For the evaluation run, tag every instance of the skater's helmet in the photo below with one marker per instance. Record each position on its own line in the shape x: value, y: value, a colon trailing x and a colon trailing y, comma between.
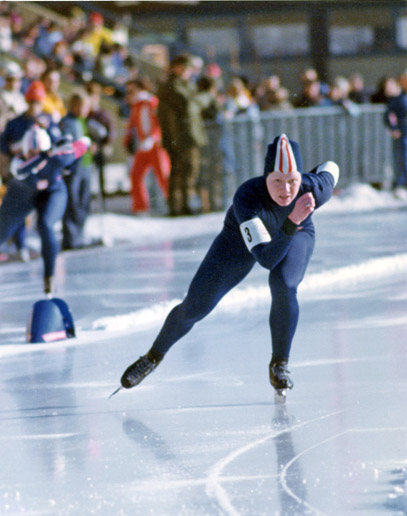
x: 35, y: 140
x: 283, y: 155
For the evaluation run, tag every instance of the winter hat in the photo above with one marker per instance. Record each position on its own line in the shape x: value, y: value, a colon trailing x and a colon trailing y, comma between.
x: 12, y: 70
x: 35, y: 92
x: 283, y: 155
x: 96, y: 18
x: 35, y: 139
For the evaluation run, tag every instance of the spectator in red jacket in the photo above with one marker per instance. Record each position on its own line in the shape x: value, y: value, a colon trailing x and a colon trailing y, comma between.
x: 143, y: 137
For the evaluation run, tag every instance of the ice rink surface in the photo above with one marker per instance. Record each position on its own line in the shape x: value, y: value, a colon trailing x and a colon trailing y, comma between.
x: 203, y: 435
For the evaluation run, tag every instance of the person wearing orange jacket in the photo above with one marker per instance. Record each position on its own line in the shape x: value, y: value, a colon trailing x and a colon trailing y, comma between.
x: 143, y: 137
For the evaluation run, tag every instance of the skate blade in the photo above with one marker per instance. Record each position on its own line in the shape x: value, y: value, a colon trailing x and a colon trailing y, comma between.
x: 280, y: 395
x: 115, y: 392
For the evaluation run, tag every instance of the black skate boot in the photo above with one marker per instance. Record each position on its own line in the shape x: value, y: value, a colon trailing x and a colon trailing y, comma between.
x: 142, y: 367
x: 279, y: 378
x: 48, y: 285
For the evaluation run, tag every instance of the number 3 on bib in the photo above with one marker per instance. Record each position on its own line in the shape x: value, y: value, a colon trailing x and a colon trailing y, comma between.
x: 254, y: 232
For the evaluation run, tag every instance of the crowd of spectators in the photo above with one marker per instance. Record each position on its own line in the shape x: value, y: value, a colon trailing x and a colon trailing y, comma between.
x: 83, y: 47
x: 80, y: 46
x: 84, y: 50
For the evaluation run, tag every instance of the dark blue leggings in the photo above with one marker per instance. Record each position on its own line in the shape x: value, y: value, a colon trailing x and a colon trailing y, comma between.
x: 20, y: 200
x: 225, y: 265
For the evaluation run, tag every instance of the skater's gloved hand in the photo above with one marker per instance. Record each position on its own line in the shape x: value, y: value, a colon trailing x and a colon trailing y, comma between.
x: 304, y: 206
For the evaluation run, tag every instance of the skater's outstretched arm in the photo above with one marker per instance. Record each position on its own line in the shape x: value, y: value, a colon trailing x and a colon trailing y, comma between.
x: 321, y: 181
x: 70, y: 151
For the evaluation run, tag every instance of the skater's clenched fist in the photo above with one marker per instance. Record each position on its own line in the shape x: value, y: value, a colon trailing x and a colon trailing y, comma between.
x: 304, y: 206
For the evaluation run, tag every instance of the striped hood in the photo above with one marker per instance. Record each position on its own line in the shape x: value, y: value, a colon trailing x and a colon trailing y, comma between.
x: 283, y: 155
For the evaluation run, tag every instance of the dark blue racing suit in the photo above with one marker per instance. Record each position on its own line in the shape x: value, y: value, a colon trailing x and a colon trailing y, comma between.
x: 39, y: 185
x: 282, y: 247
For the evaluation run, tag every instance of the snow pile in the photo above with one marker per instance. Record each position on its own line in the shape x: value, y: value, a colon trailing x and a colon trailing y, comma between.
x: 240, y: 297
x: 363, y: 197
x: 139, y: 319
x: 144, y: 230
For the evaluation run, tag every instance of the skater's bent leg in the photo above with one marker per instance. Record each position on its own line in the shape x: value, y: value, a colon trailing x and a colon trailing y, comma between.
x: 221, y: 270
x: 51, y: 209
x: 284, y: 280
x: 283, y: 316
x: 224, y: 266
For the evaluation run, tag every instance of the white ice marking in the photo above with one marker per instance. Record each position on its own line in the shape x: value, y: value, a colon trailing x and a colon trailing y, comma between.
x: 379, y: 429
x: 330, y: 361
x: 214, y: 487
x: 33, y: 437
x: 283, y: 474
x: 160, y: 485
x: 13, y: 330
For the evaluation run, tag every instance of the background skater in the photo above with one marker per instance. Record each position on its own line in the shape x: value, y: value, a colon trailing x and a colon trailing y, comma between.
x: 38, y: 185
x: 269, y: 222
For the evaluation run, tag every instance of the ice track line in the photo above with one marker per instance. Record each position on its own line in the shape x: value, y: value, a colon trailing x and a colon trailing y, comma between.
x: 214, y: 488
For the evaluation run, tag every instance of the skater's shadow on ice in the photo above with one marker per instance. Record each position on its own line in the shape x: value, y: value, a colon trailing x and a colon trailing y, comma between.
x: 291, y: 487
x: 147, y: 438
x: 289, y: 476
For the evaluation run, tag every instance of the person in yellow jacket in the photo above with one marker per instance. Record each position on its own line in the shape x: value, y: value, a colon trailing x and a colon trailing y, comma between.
x: 53, y: 103
x: 98, y: 33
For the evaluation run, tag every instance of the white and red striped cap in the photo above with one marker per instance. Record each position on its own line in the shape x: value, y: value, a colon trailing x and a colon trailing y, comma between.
x: 283, y: 155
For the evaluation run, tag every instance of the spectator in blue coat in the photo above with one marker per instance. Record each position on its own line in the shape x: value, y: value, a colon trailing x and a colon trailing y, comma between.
x: 78, y: 182
x: 396, y: 121
x: 48, y: 36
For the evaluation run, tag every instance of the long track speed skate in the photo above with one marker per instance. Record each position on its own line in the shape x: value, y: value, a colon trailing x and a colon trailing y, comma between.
x: 137, y: 371
x: 279, y: 379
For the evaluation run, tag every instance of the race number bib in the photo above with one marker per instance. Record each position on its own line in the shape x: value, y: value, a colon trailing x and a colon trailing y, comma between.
x: 254, y: 232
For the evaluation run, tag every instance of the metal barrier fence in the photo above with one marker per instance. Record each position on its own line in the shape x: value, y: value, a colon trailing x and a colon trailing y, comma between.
x: 358, y: 142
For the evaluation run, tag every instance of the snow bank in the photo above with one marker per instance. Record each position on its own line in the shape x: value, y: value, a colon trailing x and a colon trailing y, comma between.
x: 363, y: 197
x: 242, y: 297
x: 145, y: 229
